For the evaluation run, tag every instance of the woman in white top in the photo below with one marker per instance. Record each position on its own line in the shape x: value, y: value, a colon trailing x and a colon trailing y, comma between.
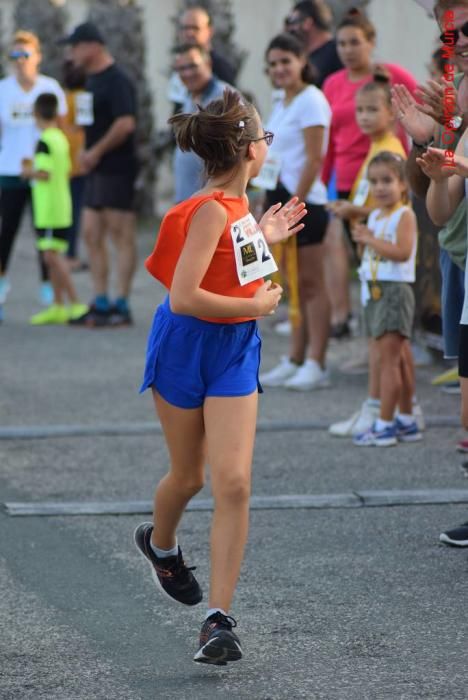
x: 300, y: 121
x: 19, y: 136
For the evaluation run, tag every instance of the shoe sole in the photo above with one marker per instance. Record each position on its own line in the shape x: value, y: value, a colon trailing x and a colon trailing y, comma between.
x: 219, y: 651
x: 391, y: 442
x: 410, y: 438
x: 155, y: 576
x: 446, y: 540
x: 309, y: 387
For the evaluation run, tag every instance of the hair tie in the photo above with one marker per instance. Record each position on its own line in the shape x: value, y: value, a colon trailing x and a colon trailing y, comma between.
x: 241, y: 124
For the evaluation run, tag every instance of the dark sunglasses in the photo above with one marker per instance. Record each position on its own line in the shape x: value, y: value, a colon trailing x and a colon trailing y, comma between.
x: 267, y: 137
x: 451, y: 37
x: 16, y: 55
x: 291, y: 21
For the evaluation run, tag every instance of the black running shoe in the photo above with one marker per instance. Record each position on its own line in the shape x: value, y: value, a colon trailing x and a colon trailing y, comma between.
x: 120, y: 318
x: 170, y: 574
x: 93, y: 318
x: 218, y: 643
x: 458, y: 537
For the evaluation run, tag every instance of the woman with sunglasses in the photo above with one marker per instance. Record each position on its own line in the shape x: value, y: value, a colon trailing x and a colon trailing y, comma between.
x: 19, y: 136
x: 204, y: 352
x: 300, y: 122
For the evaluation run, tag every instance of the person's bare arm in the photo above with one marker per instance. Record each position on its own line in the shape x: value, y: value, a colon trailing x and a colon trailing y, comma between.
x: 187, y: 297
x: 447, y: 182
x: 399, y: 251
x: 313, y: 142
x: 114, y: 137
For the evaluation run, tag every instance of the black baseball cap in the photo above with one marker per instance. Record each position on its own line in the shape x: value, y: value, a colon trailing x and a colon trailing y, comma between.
x: 86, y: 32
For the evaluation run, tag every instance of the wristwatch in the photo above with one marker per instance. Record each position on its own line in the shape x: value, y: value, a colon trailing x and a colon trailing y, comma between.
x: 455, y: 122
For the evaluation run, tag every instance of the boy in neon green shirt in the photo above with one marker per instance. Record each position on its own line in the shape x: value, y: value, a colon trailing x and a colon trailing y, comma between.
x: 52, y: 210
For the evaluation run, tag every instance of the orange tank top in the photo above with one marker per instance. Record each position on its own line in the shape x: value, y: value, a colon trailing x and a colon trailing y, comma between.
x: 221, y: 275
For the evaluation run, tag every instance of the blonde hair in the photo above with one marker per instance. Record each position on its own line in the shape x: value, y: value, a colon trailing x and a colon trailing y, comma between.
x: 22, y: 36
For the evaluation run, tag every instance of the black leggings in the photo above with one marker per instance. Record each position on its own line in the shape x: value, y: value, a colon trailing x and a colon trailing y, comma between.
x: 13, y: 202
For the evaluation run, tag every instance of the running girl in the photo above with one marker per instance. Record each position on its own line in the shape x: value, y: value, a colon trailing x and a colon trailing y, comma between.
x: 204, y: 354
x: 387, y: 270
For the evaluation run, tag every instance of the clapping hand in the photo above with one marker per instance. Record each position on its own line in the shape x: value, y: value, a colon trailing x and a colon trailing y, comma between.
x: 414, y: 118
x: 280, y: 222
x: 434, y: 164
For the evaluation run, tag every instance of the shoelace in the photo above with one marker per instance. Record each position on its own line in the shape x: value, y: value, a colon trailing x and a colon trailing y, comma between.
x: 225, y: 620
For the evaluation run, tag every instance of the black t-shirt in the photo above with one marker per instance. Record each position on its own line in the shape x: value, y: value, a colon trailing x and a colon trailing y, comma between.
x: 113, y: 96
x: 222, y: 68
x: 326, y: 61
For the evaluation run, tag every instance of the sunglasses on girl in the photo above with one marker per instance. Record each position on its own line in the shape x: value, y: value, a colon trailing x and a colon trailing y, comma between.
x: 267, y: 137
x: 452, y: 36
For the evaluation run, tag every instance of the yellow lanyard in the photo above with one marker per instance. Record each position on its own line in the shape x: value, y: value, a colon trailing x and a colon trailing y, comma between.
x: 374, y: 260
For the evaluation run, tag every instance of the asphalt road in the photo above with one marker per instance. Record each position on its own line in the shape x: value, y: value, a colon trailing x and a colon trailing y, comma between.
x: 333, y: 603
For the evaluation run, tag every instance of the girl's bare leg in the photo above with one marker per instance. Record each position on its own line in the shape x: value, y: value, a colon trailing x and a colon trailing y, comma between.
x: 314, y: 300
x: 408, y: 388
x: 374, y: 369
x: 337, y: 270
x: 464, y: 401
x: 390, y: 347
x: 230, y: 424
x: 185, y: 436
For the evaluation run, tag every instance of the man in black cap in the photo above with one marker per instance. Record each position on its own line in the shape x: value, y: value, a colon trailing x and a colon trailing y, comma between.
x: 107, y: 111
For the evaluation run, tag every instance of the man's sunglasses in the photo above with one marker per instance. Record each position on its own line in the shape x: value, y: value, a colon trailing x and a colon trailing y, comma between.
x: 267, y: 137
x: 16, y: 55
x: 451, y: 37
x: 291, y: 21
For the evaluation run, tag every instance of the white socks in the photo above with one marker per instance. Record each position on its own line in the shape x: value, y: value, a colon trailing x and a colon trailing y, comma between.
x: 212, y: 611
x: 162, y: 553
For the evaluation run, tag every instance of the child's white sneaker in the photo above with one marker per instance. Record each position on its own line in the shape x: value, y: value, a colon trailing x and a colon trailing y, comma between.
x: 359, y: 422
x: 279, y: 374
x: 308, y: 376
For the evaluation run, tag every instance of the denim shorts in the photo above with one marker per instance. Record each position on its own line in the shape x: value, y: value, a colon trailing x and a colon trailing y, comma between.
x: 453, y: 294
x: 188, y: 359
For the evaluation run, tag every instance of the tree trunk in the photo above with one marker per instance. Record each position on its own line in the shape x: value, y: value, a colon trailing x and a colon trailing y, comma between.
x: 122, y: 26
x: 47, y: 19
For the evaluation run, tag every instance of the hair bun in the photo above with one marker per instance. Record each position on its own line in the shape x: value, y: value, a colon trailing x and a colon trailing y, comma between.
x: 381, y: 75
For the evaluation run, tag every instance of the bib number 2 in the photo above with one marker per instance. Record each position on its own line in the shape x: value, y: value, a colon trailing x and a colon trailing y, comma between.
x: 253, y: 257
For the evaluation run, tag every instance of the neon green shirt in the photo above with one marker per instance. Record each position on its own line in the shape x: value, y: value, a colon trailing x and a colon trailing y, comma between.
x: 52, y: 205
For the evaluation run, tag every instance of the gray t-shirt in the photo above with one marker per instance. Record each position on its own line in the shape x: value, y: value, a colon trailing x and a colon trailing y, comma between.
x: 188, y: 167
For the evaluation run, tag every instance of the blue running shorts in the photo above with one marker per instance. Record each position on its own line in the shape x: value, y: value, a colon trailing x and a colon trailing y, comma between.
x: 188, y: 359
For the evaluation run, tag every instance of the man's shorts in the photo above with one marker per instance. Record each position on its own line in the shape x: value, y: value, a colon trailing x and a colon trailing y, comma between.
x: 392, y: 313
x: 103, y: 191
x: 188, y: 359
x: 52, y: 239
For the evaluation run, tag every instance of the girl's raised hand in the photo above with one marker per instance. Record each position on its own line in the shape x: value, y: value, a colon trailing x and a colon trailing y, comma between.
x: 280, y: 222
x: 268, y: 296
x: 434, y: 164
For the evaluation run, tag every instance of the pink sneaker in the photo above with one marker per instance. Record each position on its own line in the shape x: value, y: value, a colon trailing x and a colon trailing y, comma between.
x: 462, y: 446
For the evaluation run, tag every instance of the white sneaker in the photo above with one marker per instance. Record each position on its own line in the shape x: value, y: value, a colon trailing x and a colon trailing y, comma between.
x: 5, y: 287
x: 359, y: 422
x: 283, y: 328
x: 279, y: 374
x: 307, y: 377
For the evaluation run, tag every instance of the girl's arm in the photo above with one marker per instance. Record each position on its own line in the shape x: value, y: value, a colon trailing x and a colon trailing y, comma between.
x: 313, y: 143
x: 399, y: 251
x: 186, y: 296
x: 347, y: 210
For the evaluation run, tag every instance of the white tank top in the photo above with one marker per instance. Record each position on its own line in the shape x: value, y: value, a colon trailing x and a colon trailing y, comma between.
x: 385, y: 228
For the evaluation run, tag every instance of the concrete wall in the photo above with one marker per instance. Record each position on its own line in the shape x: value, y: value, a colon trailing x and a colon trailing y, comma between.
x: 405, y: 36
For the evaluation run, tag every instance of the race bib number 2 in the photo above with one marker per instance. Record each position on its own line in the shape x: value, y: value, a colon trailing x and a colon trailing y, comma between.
x: 253, y: 257
x: 84, y: 105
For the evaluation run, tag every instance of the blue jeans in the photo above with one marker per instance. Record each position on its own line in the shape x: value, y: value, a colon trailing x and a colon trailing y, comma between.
x: 453, y: 293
